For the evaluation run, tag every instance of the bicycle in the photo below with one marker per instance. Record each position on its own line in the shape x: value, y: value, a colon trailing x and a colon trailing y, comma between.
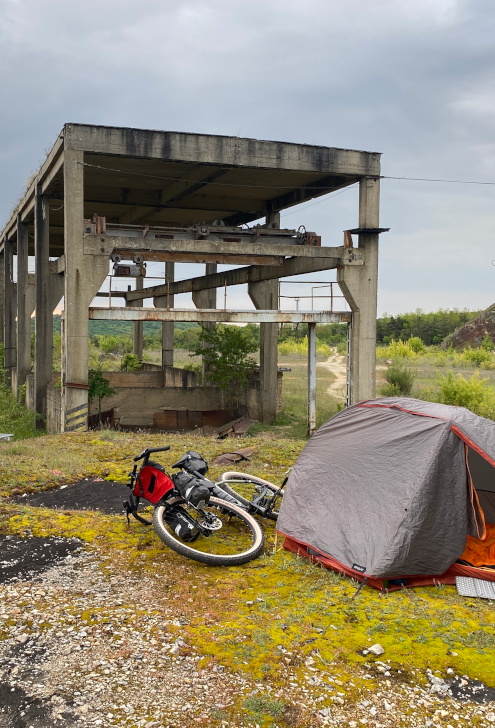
x: 188, y: 518
x: 258, y: 495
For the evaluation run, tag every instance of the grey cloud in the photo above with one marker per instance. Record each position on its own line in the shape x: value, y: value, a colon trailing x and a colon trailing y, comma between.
x: 411, y: 79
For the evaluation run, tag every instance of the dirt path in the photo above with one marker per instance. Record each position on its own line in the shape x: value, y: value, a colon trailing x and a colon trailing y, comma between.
x: 336, y: 363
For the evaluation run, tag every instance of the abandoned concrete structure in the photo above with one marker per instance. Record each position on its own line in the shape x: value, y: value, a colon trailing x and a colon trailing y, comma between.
x: 105, y: 195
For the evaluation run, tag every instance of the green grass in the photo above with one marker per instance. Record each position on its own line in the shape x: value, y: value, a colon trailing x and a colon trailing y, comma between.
x: 16, y: 419
x: 293, y: 418
x: 275, y: 620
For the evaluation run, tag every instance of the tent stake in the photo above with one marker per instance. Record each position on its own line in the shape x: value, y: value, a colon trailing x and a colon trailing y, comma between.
x: 360, y: 587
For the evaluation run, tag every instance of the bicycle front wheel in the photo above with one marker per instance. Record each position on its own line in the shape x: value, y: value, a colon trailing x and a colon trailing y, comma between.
x: 235, y: 536
x: 253, y: 491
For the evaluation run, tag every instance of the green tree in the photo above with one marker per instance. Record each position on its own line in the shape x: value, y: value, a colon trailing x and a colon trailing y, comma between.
x: 99, y: 387
x: 130, y: 363
x: 227, y: 349
x: 115, y: 344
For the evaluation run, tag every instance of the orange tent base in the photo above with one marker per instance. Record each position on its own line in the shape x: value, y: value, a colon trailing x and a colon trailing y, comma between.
x: 448, y: 577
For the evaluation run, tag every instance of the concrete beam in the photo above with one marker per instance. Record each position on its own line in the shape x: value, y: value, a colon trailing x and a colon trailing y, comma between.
x: 219, y: 150
x: 238, y: 276
x: 108, y: 244
x: 50, y: 167
x: 216, y: 316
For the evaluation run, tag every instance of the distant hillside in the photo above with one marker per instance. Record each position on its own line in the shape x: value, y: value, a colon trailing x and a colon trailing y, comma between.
x: 473, y: 332
x: 117, y: 328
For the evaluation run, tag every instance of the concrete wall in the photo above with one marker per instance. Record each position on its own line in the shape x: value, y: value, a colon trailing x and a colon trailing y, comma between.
x: 139, y: 395
x: 135, y: 405
x: 53, y: 409
x: 152, y: 376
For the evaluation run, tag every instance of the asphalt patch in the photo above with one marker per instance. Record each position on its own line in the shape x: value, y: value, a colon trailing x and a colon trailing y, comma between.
x: 462, y: 688
x: 20, y: 710
x: 24, y: 558
x: 90, y: 494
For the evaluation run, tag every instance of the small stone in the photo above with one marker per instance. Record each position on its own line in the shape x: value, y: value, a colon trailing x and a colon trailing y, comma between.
x: 376, y: 650
x: 490, y: 717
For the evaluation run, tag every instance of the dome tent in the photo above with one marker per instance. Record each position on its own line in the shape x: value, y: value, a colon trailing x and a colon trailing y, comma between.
x: 389, y: 489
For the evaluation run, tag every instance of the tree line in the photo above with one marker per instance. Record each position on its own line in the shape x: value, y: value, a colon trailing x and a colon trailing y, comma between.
x: 431, y: 328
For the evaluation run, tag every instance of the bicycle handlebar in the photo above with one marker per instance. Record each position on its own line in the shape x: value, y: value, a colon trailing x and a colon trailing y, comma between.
x: 150, y: 450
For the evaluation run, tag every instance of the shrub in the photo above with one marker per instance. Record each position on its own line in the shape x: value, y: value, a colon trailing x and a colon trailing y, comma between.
x: 400, y: 381
x: 293, y: 346
x: 397, y: 350
x: 487, y: 343
x: 473, y: 393
x: 130, y: 363
x: 476, y: 356
x: 416, y: 345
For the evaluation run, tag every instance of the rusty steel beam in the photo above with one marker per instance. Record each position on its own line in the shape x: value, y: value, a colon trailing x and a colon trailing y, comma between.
x: 216, y: 315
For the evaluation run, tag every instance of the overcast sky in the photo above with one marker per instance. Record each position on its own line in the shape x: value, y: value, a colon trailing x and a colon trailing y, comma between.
x: 412, y: 79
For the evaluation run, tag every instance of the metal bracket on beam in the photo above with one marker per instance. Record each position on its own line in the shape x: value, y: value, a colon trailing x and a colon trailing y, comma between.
x: 370, y: 231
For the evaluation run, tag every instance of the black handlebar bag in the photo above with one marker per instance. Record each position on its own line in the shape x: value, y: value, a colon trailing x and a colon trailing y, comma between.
x: 152, y: 482
x: 192, y: 460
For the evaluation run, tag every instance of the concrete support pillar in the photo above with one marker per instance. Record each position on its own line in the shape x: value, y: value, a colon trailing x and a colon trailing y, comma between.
x: 206, y: 299
x: 359, y: 285
x: 167, y: 326
x: 10, y: 353
x: 84, y: 275
x: 137, y: 347
x: 311, y: 379
x: 43, y: 349
x: 2, y: 296
x: 25, y: 302
x: 264, y: 295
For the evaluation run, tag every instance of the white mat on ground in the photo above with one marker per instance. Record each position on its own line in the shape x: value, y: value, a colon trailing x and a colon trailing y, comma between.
x: 470, y: 587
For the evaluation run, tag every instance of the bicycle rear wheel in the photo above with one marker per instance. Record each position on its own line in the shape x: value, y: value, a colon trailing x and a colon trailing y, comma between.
x: 235, y: 536
x: 253, y: 491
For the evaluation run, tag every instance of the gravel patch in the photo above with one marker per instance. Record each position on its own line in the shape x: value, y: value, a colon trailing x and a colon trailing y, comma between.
x: 84, y: 645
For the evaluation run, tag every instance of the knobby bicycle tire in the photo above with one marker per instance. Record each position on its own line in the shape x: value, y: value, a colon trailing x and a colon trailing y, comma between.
x: 244, y: 487
x: 239, y: 531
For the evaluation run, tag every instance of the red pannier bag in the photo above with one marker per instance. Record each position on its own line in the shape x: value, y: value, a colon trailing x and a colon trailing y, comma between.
x: 152, y: 482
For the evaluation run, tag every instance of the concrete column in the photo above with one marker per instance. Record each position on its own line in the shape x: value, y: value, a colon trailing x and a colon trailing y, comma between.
x: 137, y: 347
x: 206, y: 299
x: 359, y: 285
x: 264, y: 295
x: 168, y: 326
x: 84, y: 275
x: 2, y: 296
x: 43, y: 349
x: 311, y: 379
x: 24, y: 306
x: 10, y: 353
